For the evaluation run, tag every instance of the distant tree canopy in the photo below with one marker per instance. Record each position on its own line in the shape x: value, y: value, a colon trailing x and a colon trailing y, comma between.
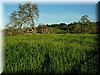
x: 85, y: 19
x: 25, y: 15
x: 84, y: 25
x: 30, y: 13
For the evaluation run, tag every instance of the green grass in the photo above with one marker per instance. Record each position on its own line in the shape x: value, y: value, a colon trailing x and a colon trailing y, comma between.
x: 51, y: 53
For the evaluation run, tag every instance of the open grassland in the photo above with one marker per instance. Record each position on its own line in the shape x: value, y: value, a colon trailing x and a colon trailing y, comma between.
x: 51, y: 53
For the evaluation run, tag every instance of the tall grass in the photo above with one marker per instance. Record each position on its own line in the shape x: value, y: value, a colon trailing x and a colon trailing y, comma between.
x: 51, y: 53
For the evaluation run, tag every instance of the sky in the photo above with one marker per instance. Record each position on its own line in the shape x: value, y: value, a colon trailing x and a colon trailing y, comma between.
x: 57, y: 13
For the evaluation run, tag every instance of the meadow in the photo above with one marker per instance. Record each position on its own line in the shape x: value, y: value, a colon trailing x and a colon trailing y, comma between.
x: 59, y: 53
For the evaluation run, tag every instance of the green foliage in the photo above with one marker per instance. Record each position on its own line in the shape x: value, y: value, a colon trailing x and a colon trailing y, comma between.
x: 11, y: 31
x: 42, y: 29
x: 75, y: 27
x: 51, y: 53
x: 82, y: 26
x: 26, y: 14
x: 85, y: 19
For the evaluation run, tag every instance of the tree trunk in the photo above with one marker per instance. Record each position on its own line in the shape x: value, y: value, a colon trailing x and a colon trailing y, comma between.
x: 33, y: 26
x: 81, y: 29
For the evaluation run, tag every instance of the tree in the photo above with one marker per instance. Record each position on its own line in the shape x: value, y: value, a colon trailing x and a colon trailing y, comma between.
x: 25, y: 15
x: 42, y: 28
x: 85, y: 19
x: 76, y: 28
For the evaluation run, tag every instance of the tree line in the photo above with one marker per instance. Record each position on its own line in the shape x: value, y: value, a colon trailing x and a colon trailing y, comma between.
x: 22, y: 22
x: 63, y: 28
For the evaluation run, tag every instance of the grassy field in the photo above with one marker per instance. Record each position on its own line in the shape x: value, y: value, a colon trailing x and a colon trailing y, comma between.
x: 58, y: 53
